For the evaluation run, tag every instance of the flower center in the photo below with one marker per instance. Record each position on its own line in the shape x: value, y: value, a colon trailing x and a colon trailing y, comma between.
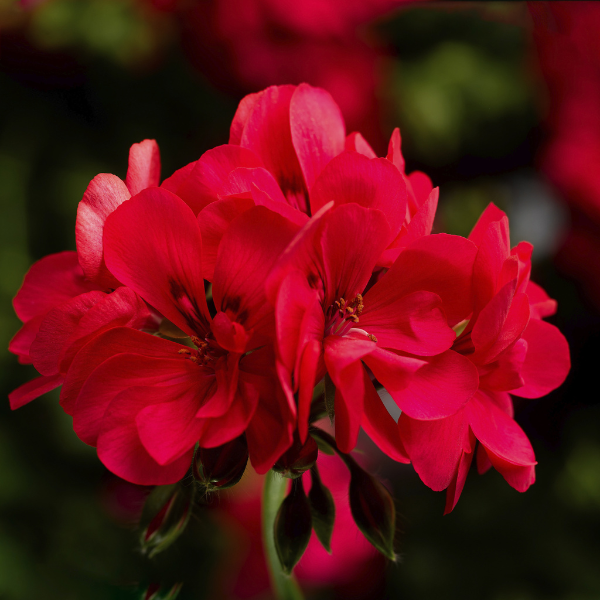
x: 206, y: 353
x: 342, y: 316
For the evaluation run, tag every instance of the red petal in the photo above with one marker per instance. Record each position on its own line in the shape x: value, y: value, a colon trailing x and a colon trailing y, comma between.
x: 242, y: 114
x: 541, y: 304
x: 144, y: 166
x: 355, y: 142
x: 220, y: 430
x: 491, y: 255
x: 491, y: 214
x: 211, y: 174
x: 394, y: 154
x: 268, y: 134
x: 153, y: 245
x: 458, y: 482
x: 380, y: 426
x: 120, y: 448
x: 117, y: 374
x: 318, y: 131
x: 231, y: 336
x: 122, y: 308
x: 431, y: 388
x: 22, y: 340
x: 483, y: 462
x: 498, y: 432
x: 420, y: 187
x: 249, y: 248
x: 518, y: 477
x: 219, y: 403
x: 547, y: 361
x: 49, y: 282
x: 285, y: 210
x: 352, y: 239
x: 299, y: 318
x: 241, y: 180
x: 372, y: 183
x: 343, y: 359
x: 415, y: 323
x: 56, y: 329
x: 102, y: 196
x: 271, y: 431
x: 505, y: 373
x: 308, y: 374
x: 168, y: 427
x: 33, y: 389
x: 114, y: 341
x: 442, y: 264
x: 499, y: 324
x: 434, y: 447
x: 214, y: 221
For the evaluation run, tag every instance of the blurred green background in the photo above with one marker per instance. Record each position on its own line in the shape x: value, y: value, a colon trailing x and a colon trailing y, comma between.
x: 80, y: 81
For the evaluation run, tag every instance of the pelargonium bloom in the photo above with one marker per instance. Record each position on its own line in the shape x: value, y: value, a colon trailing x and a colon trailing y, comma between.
x: 144, y: 401
x: 329, y: 322
x: 514, y: 351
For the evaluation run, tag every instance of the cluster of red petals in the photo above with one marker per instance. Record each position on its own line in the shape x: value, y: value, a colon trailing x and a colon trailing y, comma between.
x: 317, y: 260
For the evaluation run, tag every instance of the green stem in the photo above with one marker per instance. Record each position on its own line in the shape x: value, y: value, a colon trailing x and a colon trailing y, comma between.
x: 284, y: 586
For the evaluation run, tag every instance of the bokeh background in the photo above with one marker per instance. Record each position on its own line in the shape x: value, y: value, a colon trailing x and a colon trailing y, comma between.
x: 496, y: 101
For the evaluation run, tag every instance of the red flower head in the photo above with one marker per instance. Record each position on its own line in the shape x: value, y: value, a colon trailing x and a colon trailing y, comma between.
x: 513, y: 350
x: 145, y: 401
x: 329, y: 321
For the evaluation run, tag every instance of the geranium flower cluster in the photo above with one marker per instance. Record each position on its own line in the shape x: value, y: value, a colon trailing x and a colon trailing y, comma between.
x: 212, y: 307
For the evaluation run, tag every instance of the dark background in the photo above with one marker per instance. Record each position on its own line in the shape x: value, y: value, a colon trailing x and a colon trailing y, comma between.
x: 462, y: 84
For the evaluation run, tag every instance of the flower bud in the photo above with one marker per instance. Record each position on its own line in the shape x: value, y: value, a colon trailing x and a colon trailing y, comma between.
x: 322, y: 509
x: 158, y: 592
x: 293, y: 526
x: 298, y: 458
x: 373, y: 510
x: 167, y: 512
x: 221, y: 467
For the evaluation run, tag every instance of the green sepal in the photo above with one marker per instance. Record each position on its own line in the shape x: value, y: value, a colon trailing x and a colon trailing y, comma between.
x: 329, y: 397
x: 322, y: 509
x: 373, y: 510
x: 166, y: 513
x: 293, y: 527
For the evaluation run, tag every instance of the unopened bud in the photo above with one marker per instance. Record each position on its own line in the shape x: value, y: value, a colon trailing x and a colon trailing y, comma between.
x: 298, y: 459
x: 221, y: 467
x: 158, y: 592
x: 293, y: 526
x: 322, y: 509
x: 373, y: 510
x: 167, y: 512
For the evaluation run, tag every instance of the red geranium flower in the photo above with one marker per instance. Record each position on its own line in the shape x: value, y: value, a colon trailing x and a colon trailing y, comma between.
x: 145, y: 401
x: 513, y: 350
x: 398, y: 328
